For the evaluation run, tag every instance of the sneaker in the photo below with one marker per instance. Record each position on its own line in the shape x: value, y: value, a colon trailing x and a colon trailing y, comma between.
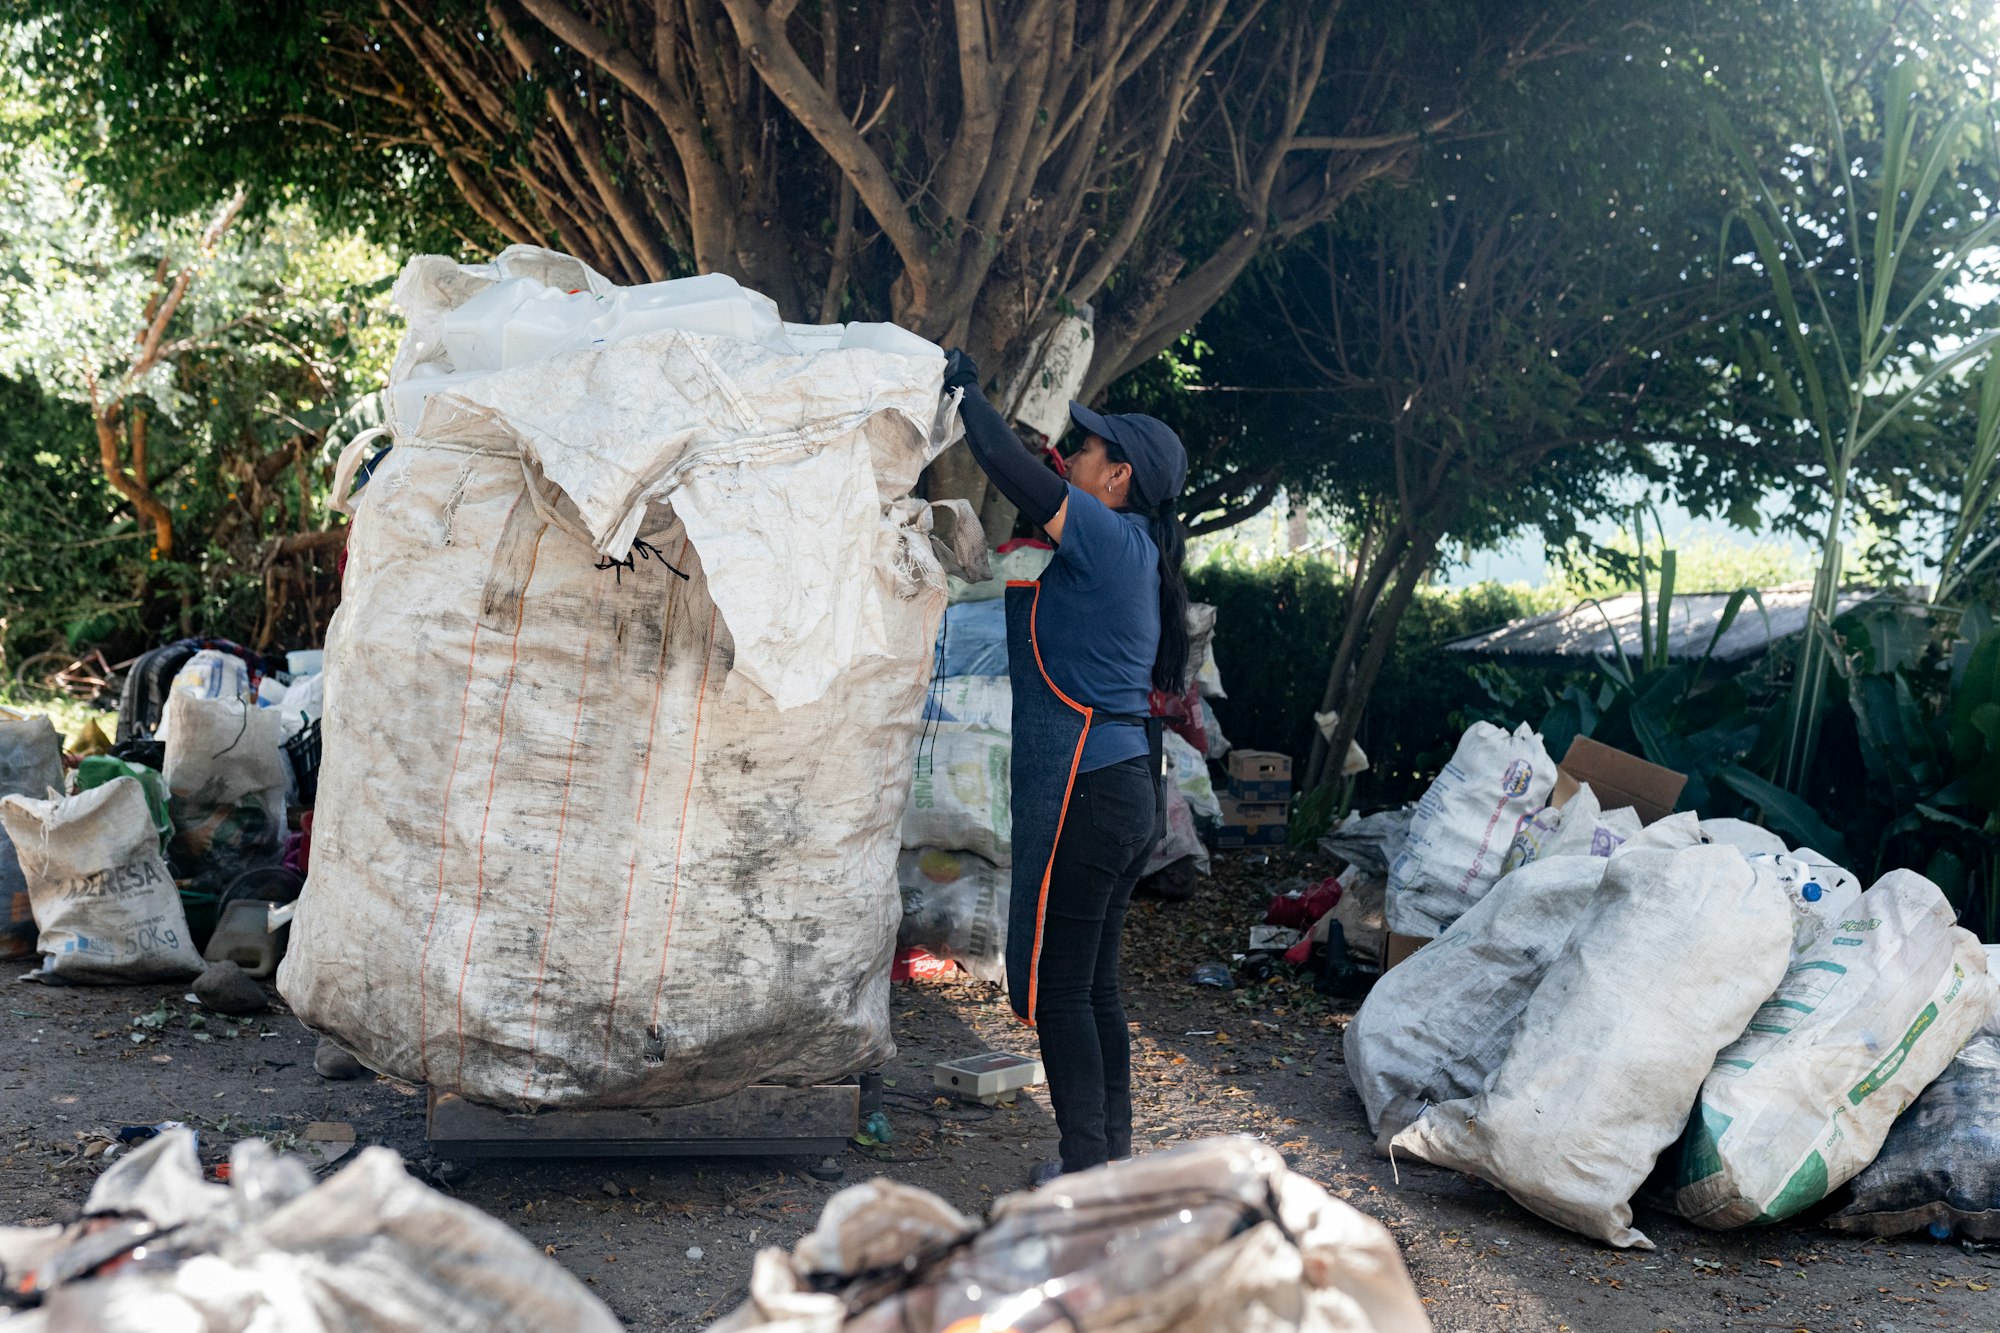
x: 1042, y: 1173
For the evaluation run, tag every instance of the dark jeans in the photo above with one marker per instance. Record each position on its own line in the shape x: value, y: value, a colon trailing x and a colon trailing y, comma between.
x: 1107, y: 835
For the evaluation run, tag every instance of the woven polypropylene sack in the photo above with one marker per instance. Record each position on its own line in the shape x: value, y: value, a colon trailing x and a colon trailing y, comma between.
x: 960, y: 796
x: 623, y: 836
x: 1437, y: 1024
x: 1464, y: 826
x: 1940, y: 1166
x: 1862, y: 1023
x: 106, y: 908
x: 1674, y: 954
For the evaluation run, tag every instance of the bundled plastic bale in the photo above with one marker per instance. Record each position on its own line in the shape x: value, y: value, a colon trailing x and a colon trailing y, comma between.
x: 30, y: 765
x: 1675, y: 952
x: 975, y: 701
x: 226, y: 776
x: 614, y: 836
x: 962, y: 795
x: 105, y: 906
x: 1217, y: 1236
x: 1802, y: 1101
x: 370, y: 1247
x: 955, y: 907
x: 1465, y: 824
x: 1939, y: 1169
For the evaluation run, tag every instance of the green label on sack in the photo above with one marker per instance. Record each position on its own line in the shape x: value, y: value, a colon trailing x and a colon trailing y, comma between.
x: 1807, y: 1187
x: 1701, y: 1154
x: 1893, y: 1061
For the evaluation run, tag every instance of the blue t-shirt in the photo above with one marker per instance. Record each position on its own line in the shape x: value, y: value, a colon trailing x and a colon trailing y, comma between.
x: 1099, y: 622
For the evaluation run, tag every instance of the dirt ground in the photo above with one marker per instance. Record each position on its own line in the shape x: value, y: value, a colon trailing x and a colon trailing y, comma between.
x: 668, y: 1243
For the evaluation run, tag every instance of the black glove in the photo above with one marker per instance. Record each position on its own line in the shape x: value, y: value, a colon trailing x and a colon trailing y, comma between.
x: 960, y: 370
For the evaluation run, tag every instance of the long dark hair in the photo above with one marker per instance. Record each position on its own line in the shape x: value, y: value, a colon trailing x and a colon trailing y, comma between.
x: 1170, y: 665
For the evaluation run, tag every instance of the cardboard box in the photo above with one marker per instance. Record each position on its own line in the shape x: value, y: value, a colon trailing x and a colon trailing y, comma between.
x: 1400, y: 947
x: 1253, y: 823
x: 1244, y: 789
x: 1237, y: 811
x: 1260, y: 766
x: 1619, y: 779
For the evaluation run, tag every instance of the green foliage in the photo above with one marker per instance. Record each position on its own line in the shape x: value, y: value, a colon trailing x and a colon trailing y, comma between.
x: 1896, y: 230
x: 1274, y: 625
x: 278, y: 322
x: 68, y: 557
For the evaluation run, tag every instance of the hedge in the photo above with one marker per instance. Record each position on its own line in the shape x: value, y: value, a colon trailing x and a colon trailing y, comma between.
x: 1277, y: 625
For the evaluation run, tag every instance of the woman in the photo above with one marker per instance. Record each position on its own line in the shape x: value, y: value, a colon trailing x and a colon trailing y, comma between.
x: 1104, y: 626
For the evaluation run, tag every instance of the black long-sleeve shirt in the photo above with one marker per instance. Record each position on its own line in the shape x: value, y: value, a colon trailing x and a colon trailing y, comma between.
x: 1022, y: 477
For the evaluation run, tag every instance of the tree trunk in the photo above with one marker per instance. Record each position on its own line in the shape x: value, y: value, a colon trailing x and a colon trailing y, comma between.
x: 1366, y: 594
x: 142, y: 498
x: 1416, y: 562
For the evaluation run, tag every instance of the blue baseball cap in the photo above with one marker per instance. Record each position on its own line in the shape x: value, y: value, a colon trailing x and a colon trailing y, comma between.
x: 1159, y: 460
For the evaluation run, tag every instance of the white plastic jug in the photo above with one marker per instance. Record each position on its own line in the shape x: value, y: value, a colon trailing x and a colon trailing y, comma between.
x: 713, y: 303
x: 810, y: 338
x: 516, y: 321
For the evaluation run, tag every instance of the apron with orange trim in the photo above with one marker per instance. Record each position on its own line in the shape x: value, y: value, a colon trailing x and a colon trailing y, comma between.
x: 1049, y: 729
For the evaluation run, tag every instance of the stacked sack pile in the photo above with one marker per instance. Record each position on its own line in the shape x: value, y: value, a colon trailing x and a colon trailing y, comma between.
x: 1602, y: 998
x: 113, y: 876
x: 957, y: 831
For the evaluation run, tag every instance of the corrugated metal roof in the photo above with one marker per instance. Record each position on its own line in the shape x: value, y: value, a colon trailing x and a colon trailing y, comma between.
x: 1587, y: 629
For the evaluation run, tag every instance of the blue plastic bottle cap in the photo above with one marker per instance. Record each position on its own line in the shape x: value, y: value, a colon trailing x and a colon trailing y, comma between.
x: 1940, y: 1230
x: 1812, y: 892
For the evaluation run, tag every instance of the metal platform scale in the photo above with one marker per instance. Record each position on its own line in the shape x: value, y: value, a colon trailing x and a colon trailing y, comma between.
x: 762, y: 1120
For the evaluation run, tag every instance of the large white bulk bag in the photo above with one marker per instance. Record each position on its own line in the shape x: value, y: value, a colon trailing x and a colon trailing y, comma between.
x: 1675, y: 953
x: 1464, y: 826
x: 624, y: 835
x: 1863, y: 1022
